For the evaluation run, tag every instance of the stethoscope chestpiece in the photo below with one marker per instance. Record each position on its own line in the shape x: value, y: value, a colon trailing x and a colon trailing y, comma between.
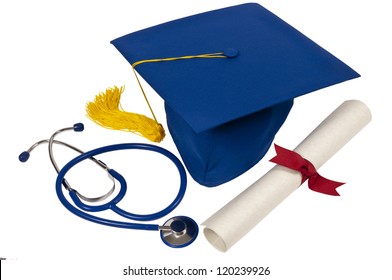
x: 179, y: 231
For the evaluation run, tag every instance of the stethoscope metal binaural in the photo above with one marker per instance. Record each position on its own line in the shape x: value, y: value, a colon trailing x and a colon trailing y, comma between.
x: 177, y: 232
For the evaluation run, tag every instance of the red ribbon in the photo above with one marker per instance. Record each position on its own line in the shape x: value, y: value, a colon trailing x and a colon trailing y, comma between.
x: 295, y: 161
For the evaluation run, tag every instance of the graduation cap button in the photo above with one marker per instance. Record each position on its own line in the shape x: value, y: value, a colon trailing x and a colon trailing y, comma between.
x: 231, y: 52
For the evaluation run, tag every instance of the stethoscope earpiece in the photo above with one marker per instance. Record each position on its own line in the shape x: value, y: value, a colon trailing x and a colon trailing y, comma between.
x: 78, y: 127
x: 24, y: 156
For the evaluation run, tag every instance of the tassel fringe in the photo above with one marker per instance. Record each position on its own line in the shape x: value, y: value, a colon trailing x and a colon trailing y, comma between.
x: 107, y: 112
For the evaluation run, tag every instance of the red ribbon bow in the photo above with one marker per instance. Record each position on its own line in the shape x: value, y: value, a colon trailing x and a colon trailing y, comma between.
x: 295, y: 161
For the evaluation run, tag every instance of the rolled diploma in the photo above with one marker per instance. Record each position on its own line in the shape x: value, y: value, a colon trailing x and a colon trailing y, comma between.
x: 239, y: 216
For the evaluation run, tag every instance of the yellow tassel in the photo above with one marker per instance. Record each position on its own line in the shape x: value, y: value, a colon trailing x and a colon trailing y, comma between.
x: 106, y: 111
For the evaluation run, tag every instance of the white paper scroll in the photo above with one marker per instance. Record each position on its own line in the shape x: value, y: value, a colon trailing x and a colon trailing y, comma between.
x: 239, y: 216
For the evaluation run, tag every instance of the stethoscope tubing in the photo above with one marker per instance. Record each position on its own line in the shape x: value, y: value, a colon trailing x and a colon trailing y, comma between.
x: 112, y: 205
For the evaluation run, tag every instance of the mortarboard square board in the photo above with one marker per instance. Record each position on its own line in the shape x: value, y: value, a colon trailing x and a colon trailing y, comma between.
x: 224, y: 113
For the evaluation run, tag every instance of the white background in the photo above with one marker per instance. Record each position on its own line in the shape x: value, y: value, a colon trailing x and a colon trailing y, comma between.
x: 55, y: 56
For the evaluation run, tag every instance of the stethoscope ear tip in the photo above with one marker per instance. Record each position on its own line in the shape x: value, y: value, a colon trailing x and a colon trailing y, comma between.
x: 78, y: 127
x: 24, y: 156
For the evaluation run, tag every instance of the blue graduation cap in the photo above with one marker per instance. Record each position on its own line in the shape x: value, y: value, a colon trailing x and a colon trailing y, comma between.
x: 223, y: 112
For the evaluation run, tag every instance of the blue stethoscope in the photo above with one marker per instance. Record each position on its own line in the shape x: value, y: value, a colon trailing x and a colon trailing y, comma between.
x: 177, y: 232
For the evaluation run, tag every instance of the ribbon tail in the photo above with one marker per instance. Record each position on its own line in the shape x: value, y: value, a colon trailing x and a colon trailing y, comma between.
x: 323, y: 185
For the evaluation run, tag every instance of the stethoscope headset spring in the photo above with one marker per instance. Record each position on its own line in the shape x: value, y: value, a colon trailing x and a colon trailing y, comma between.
x: 176, y: 232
